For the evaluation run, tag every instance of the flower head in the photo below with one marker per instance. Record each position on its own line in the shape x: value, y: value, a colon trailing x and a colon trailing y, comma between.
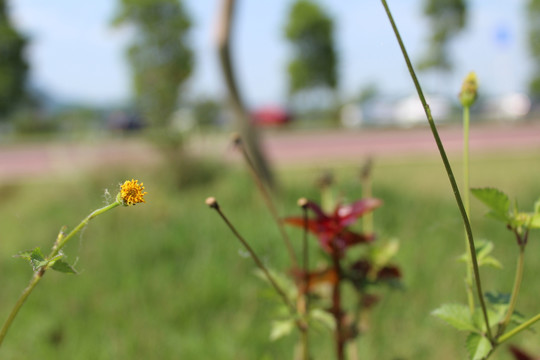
x: 131, y: 192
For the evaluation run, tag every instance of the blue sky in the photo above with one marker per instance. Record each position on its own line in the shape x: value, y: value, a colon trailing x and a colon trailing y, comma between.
x: 76, y: 55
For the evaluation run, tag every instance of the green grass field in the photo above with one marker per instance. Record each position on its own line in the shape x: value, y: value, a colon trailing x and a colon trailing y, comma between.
x: 166, y: 280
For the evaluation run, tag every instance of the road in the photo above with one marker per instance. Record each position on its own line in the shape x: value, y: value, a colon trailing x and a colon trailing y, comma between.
x: 284, y: 148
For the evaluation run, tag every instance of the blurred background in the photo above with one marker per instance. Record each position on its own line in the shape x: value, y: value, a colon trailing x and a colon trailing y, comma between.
x: 93, y: 93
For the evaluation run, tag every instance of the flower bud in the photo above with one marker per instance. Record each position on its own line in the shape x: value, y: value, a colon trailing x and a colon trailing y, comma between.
x: 469, y: 90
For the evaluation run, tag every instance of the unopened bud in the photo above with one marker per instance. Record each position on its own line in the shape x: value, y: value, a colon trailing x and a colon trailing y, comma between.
x: 212, y: 202
x: 302, y: 202
x: 469, y: 90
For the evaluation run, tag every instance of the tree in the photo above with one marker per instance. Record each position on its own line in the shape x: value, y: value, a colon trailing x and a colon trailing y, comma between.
x: 447, y: 18
x: 13, y: 66
x: 160, y: 57
x: 310, y: 31
x: 533, y: 15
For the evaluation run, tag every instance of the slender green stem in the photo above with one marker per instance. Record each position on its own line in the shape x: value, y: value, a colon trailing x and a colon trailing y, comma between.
x: 38, y: 275
x: 305, y: 265
x: 515, y: 290
x: 448, y: 168
x: 466, y: 204
x: 256, y: 258
x: 63, y: 240
x: 527, y: 324
x: 33, y: 282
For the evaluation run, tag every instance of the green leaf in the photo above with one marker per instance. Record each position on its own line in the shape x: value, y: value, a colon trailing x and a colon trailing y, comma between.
x: 483, y: 249
x: 323, y: 317
x: 456, y: 315
x: 35, y: 257
x: 535, y: 221
x: 281, y: 328
x: 496, y: 200
x: 477, y: 346
x: 62, y: 266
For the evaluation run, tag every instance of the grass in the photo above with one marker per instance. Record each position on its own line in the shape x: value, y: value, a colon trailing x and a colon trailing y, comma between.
x: 166, y: 280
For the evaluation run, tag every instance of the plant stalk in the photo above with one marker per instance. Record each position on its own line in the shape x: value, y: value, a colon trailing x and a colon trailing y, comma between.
x: 515, y: 290
x: 448, y: 169
x: 527, y: 324
x: 38, y: 274
x: 336, y: 307
x: 257, y: 260
x: 466, y: 203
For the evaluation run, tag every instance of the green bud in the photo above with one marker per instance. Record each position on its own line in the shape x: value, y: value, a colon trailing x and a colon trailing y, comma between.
x: 469, y: 90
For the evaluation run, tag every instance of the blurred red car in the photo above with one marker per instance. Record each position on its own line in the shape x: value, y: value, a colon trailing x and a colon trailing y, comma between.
x: 271, y: 116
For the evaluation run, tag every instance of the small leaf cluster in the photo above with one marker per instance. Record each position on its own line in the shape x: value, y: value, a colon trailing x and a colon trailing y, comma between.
x: 40, y: 263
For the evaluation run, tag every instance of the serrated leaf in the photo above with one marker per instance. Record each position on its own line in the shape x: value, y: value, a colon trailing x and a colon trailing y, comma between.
x: 281, y: 328
x: 456, y: 315
x: 477, y: 346
x: 35, y: 257
x: 498, y: 298
x: 496, y: 200
x: 64, y: 267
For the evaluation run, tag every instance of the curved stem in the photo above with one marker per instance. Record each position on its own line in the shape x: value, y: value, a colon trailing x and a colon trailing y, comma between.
x: 61, y: 242
x: 38, y: 275
x: 448, y: 169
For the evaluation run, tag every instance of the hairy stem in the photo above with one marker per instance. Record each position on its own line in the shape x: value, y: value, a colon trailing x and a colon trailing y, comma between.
x: 448, y: 169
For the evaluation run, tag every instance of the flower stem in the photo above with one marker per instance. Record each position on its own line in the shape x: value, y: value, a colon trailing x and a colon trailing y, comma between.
x: 336, y: 307
x: 33, y: 282
x: 448, y: 169
x: 38, y: 274
x: 61, y: 242
x: 466, y: 204
x: 214, y: 205
x: 515, y: 290
x: 305, y: 265
x: 527, y: 324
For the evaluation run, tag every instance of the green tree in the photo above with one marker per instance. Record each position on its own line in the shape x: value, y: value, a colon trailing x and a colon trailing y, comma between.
x: 310, y: 31
x: 533, y: 15
x: 447, y: 19
x: 13, y: 66
x: 160, y: 57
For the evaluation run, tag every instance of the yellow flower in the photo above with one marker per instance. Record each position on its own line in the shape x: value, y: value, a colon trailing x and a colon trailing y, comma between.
x: 131, y: 192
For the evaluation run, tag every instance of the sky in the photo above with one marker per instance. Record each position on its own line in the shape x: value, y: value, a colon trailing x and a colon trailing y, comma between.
x: 76, y: 55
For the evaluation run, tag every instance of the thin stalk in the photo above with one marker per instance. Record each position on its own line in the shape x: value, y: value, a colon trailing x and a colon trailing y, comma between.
x: 214, y: 205
x: 33, y: 282
x: 305, y: 265
x: 336, y: 307
x: 38, y: 275
x: 63, y: 240
x: 448, y: 169
x: 527, y: 324
x: 515, y: 290
x: 466, y: 203
x: 267, y: 199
